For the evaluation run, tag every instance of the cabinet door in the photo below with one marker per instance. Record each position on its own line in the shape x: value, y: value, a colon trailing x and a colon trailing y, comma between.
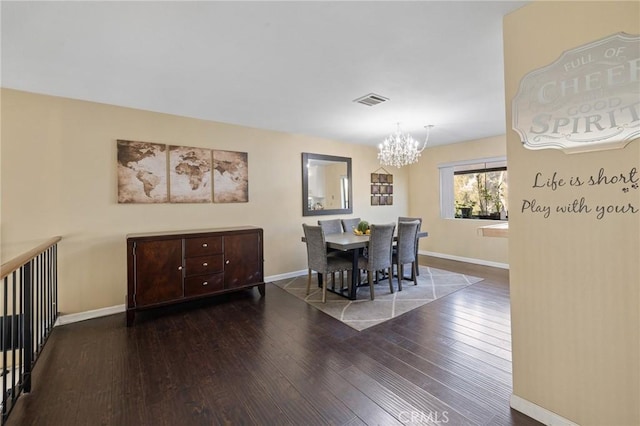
x: 158, y: 271
x: 243, y: 260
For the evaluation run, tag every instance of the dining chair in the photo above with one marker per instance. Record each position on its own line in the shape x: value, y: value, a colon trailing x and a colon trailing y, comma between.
x: 331, y: 226
x: 348, y: 225
x: 379, y: 254
x: 318, y: 260
x: 411, y: 219
x: 405, y: 251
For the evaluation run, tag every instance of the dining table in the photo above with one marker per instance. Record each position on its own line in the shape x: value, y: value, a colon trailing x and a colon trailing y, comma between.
x: 351, y: 243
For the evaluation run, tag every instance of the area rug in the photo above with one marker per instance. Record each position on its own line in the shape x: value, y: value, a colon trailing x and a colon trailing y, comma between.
x: 364, y: 313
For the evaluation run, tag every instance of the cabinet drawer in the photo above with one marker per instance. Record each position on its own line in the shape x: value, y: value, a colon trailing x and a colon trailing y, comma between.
x: 194, y: 247
x: 203, y: 284
x: 204, y: 265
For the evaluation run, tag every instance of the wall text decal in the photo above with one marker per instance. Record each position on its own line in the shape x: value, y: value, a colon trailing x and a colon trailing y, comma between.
x: 626, y: 181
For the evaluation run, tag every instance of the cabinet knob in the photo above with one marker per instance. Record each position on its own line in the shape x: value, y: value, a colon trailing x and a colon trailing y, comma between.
x: 226, y: 263
x: 179, y: 268
x: 205, y: 264
x: 205, y: 283
x: 205, y: 245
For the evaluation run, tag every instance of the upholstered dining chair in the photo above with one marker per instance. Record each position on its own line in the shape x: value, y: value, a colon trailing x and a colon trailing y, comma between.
x: 348, y: 225
x: 411, y: 219
x: 405, y: 251
x: 379, y: 254
x: 331, y: 226
x: 318, y: 260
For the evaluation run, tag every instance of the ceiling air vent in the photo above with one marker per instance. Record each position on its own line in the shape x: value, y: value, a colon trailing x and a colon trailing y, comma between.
x: 371, y: 99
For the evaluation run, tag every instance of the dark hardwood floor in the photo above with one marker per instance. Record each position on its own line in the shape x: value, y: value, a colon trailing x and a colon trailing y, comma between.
x: 245, y: 360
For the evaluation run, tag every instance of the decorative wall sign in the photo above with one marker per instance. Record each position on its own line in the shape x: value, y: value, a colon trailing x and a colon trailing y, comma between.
x: 230, y: 177
x: 189, y: 175
x: 588, y: 99
x: 142, y: 172
x: 381, y: 188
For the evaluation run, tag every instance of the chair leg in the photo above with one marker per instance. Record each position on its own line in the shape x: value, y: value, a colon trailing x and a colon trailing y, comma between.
x: 308, y: 282
x: 370, y: 278
x: 324, y: 290
x: 400, y: 276
x: 414, y: 272
x: 390, y: 274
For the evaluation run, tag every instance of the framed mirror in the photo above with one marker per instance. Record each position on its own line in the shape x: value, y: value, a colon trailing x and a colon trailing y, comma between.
x: 326, y: 185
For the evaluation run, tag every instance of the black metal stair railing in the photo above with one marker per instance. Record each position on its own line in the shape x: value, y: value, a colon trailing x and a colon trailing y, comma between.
x: 28, y: 305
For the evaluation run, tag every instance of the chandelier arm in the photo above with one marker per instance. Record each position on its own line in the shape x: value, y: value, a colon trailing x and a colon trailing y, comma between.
x: 426, y: 139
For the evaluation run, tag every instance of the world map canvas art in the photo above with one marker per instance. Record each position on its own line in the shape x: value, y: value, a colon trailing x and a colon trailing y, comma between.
x: 142, y: 172
x: 230, y: 177
x: 157, y: 173
x: 189, y: 175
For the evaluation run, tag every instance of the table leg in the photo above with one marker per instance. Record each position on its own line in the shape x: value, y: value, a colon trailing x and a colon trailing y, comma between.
x: 354, y: 274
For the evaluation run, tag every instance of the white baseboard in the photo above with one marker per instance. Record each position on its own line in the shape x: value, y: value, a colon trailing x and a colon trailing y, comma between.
x: 466, y: 259
x: 103, y: 312
x: 83, y: 316
x: 285, y: 276
x: 538, y: 413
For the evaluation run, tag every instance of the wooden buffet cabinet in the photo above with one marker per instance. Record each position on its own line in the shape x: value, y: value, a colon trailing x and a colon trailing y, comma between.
x: 173, y: 267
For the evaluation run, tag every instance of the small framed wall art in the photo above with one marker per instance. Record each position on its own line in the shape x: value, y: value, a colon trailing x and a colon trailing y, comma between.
x: 381, y: 188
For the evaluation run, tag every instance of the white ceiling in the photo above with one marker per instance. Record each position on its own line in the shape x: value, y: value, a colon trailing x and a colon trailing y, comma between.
x: 289, y: 66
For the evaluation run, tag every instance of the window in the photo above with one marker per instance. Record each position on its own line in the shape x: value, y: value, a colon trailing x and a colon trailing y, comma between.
x: 475, y: 189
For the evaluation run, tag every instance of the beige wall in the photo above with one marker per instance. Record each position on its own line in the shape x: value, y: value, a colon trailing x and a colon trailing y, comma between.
x: 59, y: 178
x: 456, y: 238
x: 575, y: 279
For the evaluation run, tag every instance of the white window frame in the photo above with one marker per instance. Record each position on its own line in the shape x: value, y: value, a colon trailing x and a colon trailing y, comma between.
x: 447, y: 197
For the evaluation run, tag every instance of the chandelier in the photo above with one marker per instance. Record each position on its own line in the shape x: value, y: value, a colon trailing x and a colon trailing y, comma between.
x: 400, y: 149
